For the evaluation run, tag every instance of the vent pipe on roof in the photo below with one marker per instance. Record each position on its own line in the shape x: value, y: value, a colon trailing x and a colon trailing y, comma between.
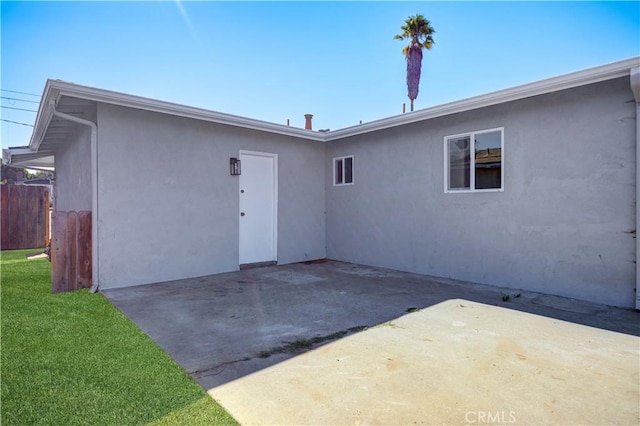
x: 307, y: 124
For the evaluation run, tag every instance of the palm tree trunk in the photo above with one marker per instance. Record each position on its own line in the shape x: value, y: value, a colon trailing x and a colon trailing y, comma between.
x: 414, y: 65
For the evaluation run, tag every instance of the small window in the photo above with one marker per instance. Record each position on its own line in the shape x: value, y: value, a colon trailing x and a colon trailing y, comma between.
x: 343, y: 170
x: 481, y: 171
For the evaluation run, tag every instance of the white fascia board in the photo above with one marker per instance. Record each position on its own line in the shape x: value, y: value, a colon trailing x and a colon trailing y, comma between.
x: 567, y: 81
x: 43, y: 118
x: 132, y: 101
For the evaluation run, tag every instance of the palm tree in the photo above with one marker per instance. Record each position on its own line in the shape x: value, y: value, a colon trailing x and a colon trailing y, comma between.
x: 419, y: 31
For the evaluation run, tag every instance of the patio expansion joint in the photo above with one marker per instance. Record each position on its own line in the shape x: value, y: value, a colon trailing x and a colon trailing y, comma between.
x: 295, y: 347
x: 216, y: 369
x: 301, y: 345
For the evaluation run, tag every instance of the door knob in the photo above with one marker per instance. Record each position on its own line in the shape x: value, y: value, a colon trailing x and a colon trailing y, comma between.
x: 241, y: 213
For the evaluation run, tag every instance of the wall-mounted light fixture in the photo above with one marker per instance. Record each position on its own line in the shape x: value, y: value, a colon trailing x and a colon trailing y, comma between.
x: 234, y: 166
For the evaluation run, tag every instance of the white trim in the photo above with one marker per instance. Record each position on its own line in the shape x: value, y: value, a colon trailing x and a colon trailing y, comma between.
x: 333, y: 178
x: 58, y: 88
x: 472, y: 175
x: 275, y: 196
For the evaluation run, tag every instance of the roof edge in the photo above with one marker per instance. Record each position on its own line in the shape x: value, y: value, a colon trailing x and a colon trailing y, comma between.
x: 62, y: 88
x: 566, y: 81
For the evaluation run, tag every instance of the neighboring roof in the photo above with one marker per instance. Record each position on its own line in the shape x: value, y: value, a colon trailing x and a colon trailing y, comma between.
x: 74, y: 99
x: 37, y: 181
x: 22, y: 156
x: 488, y: 157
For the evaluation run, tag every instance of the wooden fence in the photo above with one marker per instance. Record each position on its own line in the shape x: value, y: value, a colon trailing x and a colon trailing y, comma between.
x: 24, y: 217
x: 70, y: 251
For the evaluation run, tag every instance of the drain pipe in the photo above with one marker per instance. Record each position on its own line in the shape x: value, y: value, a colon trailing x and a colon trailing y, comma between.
x: 94, y: 189
x: 635, y: 88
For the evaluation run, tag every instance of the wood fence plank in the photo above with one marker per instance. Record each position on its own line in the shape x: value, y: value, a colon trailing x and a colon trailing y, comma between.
x: 19, y: 219
x: 59, y: 257
x: 36, y: 212
x: 47, y: 217
x: 84, y: 249
x: 14, y: 217
x: 21, y: 228
x: 39, y: 217
x: 72, y: 249
x: 4, y: 216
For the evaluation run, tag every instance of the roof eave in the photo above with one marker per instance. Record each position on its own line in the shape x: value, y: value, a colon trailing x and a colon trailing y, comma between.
x: 132, y: 101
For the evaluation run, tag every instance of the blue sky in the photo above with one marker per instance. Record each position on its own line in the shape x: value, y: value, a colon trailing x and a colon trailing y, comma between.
x: 278, y: 61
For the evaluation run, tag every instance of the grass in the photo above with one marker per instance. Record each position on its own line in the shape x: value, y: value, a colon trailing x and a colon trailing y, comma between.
x: 72, y: 358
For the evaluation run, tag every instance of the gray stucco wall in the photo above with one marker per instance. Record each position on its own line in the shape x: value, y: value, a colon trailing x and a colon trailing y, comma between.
x: 169, y: 209
x: 563, y: 224
x: 73, y: 173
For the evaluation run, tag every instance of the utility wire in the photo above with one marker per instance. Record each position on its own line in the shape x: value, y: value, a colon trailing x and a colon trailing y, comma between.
x: 16, y: 122
x: 19, y: 109
x: 22, y: 93
x: 19, y: 100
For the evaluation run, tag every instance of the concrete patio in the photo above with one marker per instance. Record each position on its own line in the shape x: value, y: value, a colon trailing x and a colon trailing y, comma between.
x: 433, y: 351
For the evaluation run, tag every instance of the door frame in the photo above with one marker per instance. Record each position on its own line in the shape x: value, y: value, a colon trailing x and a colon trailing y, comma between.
x: 275, y: 200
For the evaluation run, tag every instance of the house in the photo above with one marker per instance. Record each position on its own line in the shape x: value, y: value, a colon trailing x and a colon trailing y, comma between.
x: 533, y: 187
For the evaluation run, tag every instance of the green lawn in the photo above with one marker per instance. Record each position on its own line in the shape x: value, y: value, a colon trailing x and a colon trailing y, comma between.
x: 72, y: 358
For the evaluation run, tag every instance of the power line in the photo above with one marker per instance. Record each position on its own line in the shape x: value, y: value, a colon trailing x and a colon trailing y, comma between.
x: 19, y: 109
x: 22, y: 93
x: 20, y: 100
x: 16, y: 122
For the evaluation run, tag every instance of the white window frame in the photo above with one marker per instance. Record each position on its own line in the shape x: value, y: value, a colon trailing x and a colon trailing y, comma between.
x: 334, y: 177
x: 472, y: 177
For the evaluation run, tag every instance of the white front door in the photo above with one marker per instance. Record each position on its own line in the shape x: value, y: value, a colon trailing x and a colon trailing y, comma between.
x: 258, y: 207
